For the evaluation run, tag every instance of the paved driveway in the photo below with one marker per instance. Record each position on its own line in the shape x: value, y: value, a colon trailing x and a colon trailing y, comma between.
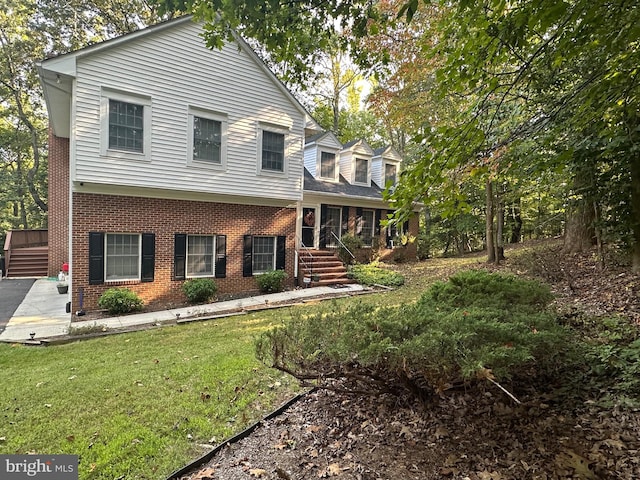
x: 12, y: 292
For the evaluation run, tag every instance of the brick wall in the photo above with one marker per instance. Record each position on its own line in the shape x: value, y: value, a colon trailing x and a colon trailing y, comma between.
x: 58, y: 201
x: 164, y: 218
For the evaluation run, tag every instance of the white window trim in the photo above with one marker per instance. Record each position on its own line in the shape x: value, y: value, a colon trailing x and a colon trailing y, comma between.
x: 144, y: 100
x: 373, y: 227
x: 213, y: 264
x: 384, y: 172
x: 106, y: 257
x: 223, y: 118
x: 275, y: 252
x: 336, y: 174
x: 368, y: 160
x: 262, y: 126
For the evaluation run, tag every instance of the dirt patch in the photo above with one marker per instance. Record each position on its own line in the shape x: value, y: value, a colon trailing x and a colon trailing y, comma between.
x: 464, y: 436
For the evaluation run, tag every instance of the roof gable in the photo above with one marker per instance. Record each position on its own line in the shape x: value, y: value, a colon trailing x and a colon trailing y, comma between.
x: 57, y: 73
x: 360, y: 146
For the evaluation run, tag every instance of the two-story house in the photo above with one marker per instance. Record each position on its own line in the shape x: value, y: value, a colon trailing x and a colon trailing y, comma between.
x: 170, y: 161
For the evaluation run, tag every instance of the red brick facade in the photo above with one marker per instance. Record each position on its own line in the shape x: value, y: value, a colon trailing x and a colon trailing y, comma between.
x: 58, y: 178
x: 165, y: 218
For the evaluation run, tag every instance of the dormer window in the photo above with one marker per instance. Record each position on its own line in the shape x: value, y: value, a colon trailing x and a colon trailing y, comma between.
x: 390, y: 173
x: 362, y: 171
x: 328, y: 165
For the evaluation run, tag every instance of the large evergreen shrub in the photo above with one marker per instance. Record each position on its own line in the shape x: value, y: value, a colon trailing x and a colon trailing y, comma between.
x: 455, y: 333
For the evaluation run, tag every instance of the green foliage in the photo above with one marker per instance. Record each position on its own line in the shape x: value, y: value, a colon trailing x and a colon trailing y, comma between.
x: 353, y: 243
x: 611, y: 348
x: 271, y: 281
x: 479, y: 288
x: 120, y: 300
x: 372, y: 274
x: 452, y: 334
x: 199, y: 290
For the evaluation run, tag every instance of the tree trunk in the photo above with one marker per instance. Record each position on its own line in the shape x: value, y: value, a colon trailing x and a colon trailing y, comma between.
x: 427, y: 232
x: 500, y: 228
x: 516, y: 231
x: 633, y: 121
x: 491, y: 254
x: 579, y: 230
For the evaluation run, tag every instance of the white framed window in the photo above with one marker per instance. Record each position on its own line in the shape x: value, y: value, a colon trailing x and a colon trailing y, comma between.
x: 263, y: 254
x: 365, y: 227
x: 272, y: 149
x: 361, y: 174
x: 125, y: 125
x: 328, y: 165
x: 200, y: 255
x: 122, y: 256
x: 207, y: 138
x: 333, y: 225
x: 390, y: 174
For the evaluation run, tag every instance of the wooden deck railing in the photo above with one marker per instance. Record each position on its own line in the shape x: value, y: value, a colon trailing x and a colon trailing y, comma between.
x: 23, y: 239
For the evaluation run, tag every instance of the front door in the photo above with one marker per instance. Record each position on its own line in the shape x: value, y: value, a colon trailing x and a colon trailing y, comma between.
x: 308, y: 227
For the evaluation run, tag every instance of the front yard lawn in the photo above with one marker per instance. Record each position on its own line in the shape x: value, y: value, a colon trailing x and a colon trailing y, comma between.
x: 137, y: 405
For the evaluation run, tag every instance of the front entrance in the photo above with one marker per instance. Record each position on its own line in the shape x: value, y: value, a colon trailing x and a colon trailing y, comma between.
x: 308, y: 227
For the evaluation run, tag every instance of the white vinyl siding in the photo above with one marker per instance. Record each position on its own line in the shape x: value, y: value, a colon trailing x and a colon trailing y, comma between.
x: 122, y: 256
x: 310, y: 159
x: 226, y: 81
x: 263, y: 254
x: 200, y: 256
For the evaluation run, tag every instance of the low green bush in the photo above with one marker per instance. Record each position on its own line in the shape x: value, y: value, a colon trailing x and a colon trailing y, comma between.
x: 353, y: 244
x: 271, y: 281
x: 428, y: 346
x: 120, y: 300
x: 199, y: 290
x: 372, y: 274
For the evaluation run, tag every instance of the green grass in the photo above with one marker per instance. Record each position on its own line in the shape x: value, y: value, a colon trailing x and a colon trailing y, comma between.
x: 138, y: 405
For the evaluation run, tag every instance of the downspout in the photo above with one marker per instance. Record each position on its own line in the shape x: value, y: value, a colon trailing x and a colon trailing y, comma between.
x: 72, y: 169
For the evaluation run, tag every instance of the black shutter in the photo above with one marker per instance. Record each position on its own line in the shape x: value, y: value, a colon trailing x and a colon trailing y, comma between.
x: 96, y: 258
x: 281, y: 252
x: 148, y: 257
x: 221, y: 256
x: 376, y: 221
x: 247, y: 253
x: 345, y: 220
x: 323, y: 226
x: 179, y: 256
x: 405, y: 227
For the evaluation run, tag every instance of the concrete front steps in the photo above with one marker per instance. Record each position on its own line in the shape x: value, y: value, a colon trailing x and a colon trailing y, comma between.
x: 326, y: 265
x: 29, y: 262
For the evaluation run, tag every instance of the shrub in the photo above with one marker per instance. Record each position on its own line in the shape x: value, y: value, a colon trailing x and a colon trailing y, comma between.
x: 371, y: 274
x: 353, y: 243
x: 271, y: 281
x: 120, y: 300
x: 199, y: 290
x: 427, y: 346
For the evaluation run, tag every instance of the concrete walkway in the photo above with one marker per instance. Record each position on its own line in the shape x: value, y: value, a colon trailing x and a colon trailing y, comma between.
x: 42, y: 312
